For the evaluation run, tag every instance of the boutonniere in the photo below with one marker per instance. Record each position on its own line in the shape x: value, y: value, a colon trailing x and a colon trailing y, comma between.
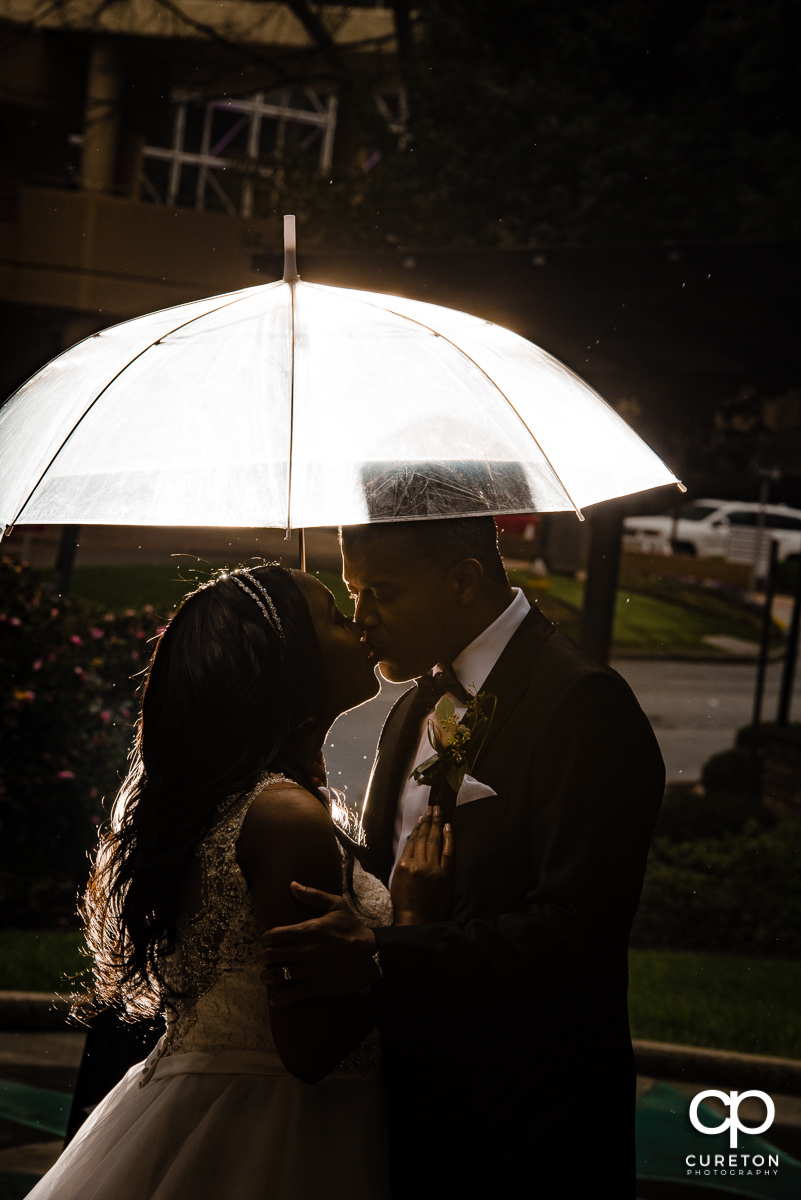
x: 457, y: 742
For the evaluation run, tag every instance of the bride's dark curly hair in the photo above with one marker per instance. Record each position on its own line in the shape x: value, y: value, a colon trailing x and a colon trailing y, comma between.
x: 226, y: 698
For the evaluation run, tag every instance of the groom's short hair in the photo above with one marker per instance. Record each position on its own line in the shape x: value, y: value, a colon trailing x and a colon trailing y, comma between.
x: 446, y: 540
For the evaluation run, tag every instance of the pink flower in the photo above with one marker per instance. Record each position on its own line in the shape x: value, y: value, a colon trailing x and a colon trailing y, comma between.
x: 105, y: 716
x: 76, y: 640
x: 79, y: 671
x: 65, y: 775
x: 37, y: 666
x: 16, y: 621
x: 96, y: 633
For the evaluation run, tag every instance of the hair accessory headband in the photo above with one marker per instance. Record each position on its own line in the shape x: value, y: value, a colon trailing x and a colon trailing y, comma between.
x: 269, y: 608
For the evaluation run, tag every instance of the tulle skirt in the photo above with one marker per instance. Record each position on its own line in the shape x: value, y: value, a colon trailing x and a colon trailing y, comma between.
x: 220, y: 1126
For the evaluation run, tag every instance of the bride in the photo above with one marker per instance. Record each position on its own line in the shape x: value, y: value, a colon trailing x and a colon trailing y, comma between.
x: 218, y: 814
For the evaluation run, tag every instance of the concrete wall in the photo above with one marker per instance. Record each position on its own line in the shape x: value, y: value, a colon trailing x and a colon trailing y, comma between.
x: 114, y: 258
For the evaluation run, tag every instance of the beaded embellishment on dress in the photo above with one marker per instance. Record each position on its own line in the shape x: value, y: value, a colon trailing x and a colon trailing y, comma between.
x: 219, y: 1002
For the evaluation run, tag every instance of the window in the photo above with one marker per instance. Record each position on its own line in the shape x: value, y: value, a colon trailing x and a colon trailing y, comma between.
x: 696, y: 512
x: 782, y: 521
x: 743, y: 517
x: 221, y: 148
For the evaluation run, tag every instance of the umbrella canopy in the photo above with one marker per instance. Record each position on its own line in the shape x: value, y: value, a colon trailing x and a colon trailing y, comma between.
x: 297, y: 405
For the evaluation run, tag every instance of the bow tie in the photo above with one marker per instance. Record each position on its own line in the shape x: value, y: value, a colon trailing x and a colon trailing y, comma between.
x: 431, y: 688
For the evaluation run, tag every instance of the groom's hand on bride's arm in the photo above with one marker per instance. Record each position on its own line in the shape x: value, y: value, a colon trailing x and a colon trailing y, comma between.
x: 332, y: 954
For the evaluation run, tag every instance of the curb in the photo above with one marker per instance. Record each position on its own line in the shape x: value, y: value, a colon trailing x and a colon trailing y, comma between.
x: 34, y: 1012
x: 41, y: 1012
x: 693, y: 1064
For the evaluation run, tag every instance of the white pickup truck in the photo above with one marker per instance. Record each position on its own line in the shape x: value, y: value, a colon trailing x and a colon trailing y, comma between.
x: 717, y: 528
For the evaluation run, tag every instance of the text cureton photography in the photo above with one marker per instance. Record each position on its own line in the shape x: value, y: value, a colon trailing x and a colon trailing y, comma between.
x: 706, y: 1120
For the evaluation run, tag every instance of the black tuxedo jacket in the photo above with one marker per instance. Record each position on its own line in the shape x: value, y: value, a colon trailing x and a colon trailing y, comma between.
x: 505, y: 1029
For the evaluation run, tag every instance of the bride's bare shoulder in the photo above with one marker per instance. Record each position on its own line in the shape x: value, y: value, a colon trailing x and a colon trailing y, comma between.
x: 284, y: 820
x: 285, y: 802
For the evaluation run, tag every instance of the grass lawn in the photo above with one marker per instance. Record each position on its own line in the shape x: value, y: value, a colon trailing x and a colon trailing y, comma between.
x: 46, y: 960
x: 657, y: 618
x: 654, y: 618
x: 716, y: 1000
x: 114, y: 589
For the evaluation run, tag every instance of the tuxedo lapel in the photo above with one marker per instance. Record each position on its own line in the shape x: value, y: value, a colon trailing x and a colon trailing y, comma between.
x: 507, y: 680
x: 511, y: 674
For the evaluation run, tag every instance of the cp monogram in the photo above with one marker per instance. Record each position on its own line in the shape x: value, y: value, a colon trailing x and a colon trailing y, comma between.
x: 732, y: 1100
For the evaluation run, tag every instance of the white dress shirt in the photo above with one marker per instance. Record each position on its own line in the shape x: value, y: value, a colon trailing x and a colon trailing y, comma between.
x: 471, y: 668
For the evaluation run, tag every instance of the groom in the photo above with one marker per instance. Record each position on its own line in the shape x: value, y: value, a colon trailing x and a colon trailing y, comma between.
x: 507, y: 1053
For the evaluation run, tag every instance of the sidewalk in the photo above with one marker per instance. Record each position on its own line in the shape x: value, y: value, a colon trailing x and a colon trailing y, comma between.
x: 39, y: 1060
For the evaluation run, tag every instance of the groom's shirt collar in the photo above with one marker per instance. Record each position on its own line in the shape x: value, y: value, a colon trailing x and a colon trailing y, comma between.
x: 472, y: 667
x: 476, y: 661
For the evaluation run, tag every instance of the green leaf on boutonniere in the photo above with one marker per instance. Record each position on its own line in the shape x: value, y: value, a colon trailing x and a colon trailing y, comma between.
x: 456, y: 740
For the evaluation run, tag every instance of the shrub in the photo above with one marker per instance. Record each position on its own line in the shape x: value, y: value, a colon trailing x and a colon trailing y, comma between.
x: 740, y: 893
x: 787, y: 574
x: 733, y: 772
x: 687, y: 813
x: 68, y: 700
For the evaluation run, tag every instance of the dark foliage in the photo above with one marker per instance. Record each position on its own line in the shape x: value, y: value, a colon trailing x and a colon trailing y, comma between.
x: 739, y: 893
x: 570, y: 122
x: 69, y: 679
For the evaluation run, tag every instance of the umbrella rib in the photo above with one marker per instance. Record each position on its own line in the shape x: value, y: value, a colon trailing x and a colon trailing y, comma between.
x: 104, y: 389
x: 492, y: 382
x: 291, y: 405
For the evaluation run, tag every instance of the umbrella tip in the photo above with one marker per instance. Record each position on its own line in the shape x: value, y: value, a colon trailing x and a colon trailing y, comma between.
x: 290, y: 260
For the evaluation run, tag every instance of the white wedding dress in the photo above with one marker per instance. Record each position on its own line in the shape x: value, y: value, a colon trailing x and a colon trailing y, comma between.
x: 213, y: 1113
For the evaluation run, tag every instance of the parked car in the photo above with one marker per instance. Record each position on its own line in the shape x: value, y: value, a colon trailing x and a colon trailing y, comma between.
x: 518, y: 525
x: 716, y: 528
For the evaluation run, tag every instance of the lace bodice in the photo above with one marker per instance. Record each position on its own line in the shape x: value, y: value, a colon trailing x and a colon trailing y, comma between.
x: 221, y: 1001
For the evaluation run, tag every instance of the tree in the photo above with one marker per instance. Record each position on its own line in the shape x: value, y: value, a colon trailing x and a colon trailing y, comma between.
x: 569, y: 122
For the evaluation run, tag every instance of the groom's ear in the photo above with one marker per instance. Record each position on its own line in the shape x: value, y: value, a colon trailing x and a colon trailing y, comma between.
x: 466, y: 579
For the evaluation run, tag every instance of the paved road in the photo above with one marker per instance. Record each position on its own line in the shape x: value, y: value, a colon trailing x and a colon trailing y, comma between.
x: 695, y: 709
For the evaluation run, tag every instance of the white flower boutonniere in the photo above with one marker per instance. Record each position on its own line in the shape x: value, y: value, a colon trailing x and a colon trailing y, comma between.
x: 457, y: 742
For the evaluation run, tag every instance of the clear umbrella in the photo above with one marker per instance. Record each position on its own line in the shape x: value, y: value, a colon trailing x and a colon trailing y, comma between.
x: 297, y: 405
